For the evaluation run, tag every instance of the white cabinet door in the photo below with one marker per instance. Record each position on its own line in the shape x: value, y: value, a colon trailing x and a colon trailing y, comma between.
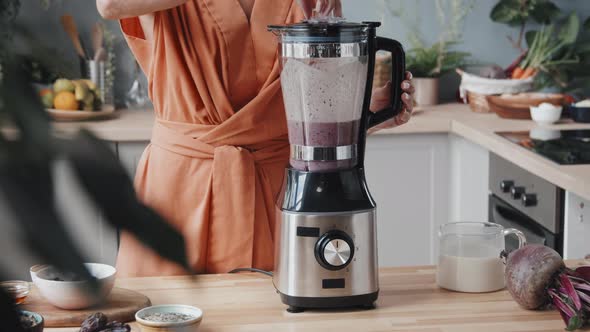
x: 576, y: 244
x: 469, y: 180
x: 408, y: 177
x: 130, y: 154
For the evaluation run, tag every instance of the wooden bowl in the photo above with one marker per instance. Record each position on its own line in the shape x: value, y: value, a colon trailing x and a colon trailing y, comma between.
x: 518, y: 106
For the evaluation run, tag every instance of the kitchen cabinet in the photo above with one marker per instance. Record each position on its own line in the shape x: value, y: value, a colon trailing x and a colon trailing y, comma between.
x: 408, y: 176
x: 577, y: 227
x: 469, y: 188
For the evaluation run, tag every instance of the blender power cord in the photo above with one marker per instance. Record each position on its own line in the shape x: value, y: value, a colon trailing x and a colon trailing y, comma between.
x: 248, y: 269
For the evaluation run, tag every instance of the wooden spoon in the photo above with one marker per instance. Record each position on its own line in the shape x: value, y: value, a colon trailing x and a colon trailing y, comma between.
x: 97, y: 37
x: 69, y: 26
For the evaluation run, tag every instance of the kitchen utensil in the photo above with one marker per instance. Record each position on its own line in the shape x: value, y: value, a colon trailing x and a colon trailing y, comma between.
x: 579, y: 114
x: 326, y: 252
x: 96, y: 71
x: 66, y: 292
x: 100, y: 55
x: 545, y: 115
x: 517, y: 106
x: 71, y: 29
x: 38, y: 322
x: 61, y: 115
x: 18, y: 289
x: 97, y: 37
x: 470, y: 256
x: 121, y: 305
x: 190, y: 325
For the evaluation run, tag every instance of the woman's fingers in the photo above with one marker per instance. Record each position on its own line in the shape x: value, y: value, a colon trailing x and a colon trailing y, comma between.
x: 307, y: 6
x: 338, y: 8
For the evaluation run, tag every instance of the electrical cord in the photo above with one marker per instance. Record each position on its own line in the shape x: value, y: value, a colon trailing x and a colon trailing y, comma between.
x: 248, y: 269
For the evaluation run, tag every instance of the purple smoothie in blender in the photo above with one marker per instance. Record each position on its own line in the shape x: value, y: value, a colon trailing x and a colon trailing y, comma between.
x: 323, y: 100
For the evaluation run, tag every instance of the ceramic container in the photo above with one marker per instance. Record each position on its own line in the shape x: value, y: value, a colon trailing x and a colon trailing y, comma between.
x: 426, y: 91
x: 546, y: 115
x: 72, y: 295
x: 191, y: 325
x: 39, y: 322
x: 579, y: 113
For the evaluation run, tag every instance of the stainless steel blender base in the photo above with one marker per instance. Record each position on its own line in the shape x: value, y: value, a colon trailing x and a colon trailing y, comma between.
x: 326, y: 260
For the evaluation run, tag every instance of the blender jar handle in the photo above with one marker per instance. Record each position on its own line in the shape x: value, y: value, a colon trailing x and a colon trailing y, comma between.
x: 398, y: 72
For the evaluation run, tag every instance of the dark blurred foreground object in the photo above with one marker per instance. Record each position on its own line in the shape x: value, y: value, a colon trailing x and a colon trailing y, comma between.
x: 26, y: 185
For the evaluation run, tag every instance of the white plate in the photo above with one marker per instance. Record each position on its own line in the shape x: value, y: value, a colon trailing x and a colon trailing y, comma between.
x: 61, y: 115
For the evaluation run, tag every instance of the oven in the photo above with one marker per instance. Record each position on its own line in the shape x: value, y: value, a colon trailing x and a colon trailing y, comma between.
x: 519, y: 199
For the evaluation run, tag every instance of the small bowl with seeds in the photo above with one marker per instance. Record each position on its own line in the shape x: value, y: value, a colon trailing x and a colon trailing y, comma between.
x: 169, y: 318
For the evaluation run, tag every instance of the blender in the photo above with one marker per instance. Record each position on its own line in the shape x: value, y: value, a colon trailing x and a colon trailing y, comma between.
x: 325, y: 240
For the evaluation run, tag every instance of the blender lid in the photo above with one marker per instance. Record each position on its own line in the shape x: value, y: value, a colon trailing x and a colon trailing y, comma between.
x: 323, y: 31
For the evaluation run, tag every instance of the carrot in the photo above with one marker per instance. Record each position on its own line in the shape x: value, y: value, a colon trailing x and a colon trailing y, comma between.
x: 517, y: 73
x: 530, y: 71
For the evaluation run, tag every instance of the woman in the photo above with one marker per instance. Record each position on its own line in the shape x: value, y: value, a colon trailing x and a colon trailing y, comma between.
x: 219, y: 147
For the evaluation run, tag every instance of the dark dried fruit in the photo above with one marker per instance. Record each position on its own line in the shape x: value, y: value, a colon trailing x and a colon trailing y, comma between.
x: 94, y: 323
x: 116, y: 327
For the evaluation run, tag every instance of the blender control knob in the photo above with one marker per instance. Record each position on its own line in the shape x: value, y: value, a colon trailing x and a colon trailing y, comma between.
x: 516, y: 192
x: 334, y: 250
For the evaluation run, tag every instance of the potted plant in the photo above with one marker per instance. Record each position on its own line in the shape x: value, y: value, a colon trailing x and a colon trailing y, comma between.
x: 429, y: 62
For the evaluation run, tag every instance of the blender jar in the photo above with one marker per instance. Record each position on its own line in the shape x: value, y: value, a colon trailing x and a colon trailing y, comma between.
x: 326, y: 79
x: 323, y: 80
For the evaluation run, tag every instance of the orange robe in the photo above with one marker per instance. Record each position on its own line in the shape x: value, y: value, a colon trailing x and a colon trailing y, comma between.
x: 219, y: 146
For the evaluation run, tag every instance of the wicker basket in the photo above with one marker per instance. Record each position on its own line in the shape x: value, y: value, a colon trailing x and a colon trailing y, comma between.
x: 478, y: 102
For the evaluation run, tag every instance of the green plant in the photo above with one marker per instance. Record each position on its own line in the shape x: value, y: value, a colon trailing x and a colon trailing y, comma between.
x: 434, y: 61
x: 518, y: 13
x: 560, y: 53
x: 440, y: 57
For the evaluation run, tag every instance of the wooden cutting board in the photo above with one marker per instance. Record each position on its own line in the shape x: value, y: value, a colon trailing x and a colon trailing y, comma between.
x: 121, y: 306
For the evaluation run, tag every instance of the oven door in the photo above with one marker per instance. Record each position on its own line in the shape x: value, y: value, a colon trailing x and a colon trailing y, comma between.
x: 502, y: 213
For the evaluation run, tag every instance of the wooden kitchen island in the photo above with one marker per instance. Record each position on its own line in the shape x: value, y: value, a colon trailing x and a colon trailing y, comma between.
x: 409, y: 301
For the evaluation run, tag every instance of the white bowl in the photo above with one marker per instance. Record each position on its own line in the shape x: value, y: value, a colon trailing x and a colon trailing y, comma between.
x: 72, y: 295
x: 546, y: 116
x: 191, y: 325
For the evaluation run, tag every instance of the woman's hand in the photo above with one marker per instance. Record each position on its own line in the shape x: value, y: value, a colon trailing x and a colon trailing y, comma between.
x: 381, y: 99
x: 323, y: 7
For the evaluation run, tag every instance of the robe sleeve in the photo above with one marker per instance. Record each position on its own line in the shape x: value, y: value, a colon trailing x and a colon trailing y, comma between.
x: 135, y: 37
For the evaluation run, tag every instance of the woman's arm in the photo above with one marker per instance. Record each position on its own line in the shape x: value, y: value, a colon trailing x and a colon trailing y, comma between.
x: 118, y: 9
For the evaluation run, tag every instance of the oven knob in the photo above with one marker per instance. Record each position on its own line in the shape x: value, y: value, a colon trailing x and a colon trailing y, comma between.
x: 516, y: 192
x: 334, y: 250
x: 506, y: 185
x: 529, y: 199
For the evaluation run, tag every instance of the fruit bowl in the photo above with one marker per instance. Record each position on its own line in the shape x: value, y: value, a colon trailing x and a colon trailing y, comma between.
x: 63, y: 115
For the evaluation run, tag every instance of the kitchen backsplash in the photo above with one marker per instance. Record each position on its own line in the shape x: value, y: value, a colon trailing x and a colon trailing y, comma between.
x: 485, y: 39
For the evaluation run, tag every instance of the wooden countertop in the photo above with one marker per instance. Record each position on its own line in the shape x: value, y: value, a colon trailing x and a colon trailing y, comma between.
x: 409, y: 301
x: 448, y: 118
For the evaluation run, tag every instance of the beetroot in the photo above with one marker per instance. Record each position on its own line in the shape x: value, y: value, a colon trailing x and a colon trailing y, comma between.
x: 536, y: 277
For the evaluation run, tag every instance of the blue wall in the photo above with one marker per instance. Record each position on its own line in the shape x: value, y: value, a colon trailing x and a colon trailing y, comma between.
x: 485, y: 39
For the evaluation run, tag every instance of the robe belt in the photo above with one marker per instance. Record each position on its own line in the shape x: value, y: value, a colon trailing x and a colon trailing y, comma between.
x: 232, y: 192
